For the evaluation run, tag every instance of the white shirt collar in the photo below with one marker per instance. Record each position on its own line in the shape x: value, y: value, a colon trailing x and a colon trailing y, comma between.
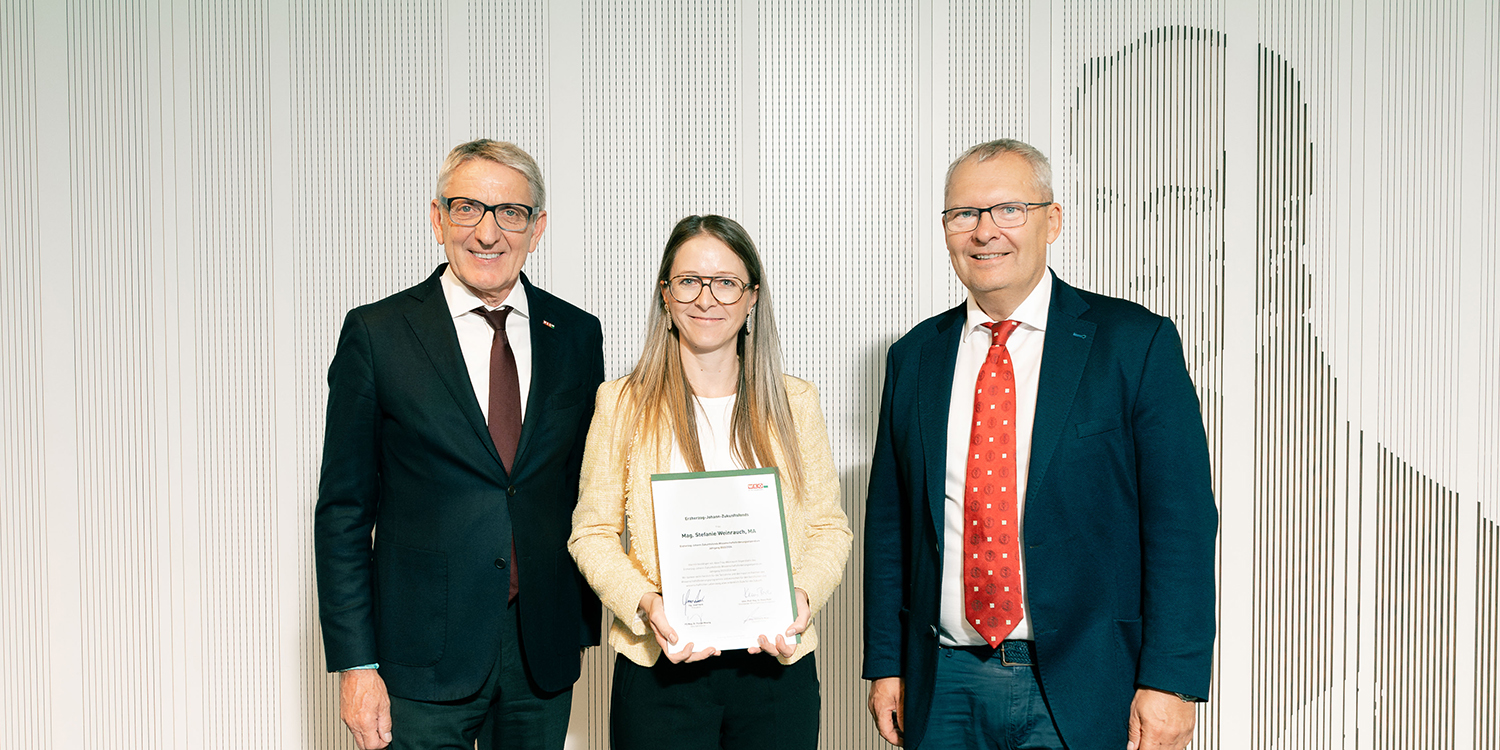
x: 1032, y: 312
x: 461, y: 301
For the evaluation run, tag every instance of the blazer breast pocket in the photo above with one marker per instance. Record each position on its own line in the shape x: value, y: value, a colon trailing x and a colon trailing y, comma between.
x: 570, y: 398
x: 1097, y: 426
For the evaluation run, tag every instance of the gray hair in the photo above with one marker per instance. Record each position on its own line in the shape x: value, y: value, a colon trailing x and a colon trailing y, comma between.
x: 502, y: 153
x: 1041, y: 169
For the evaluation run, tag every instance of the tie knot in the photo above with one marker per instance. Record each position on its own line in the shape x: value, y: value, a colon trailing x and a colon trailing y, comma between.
x: 496, y: 318
x: 1000, y: 331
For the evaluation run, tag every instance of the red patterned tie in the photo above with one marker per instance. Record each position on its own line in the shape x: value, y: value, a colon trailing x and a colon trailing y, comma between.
x: 992, y: 582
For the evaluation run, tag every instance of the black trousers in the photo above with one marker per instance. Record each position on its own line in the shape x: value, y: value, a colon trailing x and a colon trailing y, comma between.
x: 735, y: 700
x: 509, y: 708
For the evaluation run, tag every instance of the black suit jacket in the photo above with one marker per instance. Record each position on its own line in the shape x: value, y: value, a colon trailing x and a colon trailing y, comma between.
x: 407, y: 454
x: 1119, y: 516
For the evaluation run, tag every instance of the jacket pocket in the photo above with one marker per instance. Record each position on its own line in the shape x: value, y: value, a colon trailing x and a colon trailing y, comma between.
x: 1096, y: 426
x: 1129, y: 633
x: 412, y: 614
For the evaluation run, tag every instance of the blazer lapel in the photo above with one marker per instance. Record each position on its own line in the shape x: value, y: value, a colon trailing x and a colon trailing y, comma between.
x: 1065, y: 352
x: 935, y: 390
x: 546, y: 375
x: 433, y: 325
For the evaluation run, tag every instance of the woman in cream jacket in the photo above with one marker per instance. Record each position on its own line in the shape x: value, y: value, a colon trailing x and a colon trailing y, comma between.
x: 707, y: 394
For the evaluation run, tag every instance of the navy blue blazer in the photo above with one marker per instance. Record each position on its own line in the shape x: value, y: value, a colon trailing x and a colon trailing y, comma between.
x: 407, y: 454
x: 1119, y: 521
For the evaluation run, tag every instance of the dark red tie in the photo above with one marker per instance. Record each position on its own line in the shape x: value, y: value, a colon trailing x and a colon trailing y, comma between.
x: 992, y: 581
x: 505, y: 408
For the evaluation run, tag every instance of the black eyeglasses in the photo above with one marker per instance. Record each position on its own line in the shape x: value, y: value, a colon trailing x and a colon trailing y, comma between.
x: 467, y: 212
x: 726, y: 289
x: 1005, y: 215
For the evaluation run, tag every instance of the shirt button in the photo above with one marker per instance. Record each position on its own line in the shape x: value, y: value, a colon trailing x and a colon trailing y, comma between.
x: 500, y: 563
x: 510, y: 491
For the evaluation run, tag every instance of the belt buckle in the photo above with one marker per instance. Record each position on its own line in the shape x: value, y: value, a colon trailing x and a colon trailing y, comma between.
x: 1005, y: 654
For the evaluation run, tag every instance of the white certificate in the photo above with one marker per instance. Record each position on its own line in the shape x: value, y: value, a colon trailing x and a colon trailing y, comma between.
x: 726, y: 573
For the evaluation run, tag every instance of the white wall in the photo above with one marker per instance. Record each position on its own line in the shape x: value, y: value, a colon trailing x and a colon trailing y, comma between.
x: 194, y: 192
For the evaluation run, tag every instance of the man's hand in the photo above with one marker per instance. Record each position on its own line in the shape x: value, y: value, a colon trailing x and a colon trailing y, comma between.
x: 782, y: 646
x: 365, y: 708
x: 1160, y: 721
x: 888, y: 706
x: 666, y: 637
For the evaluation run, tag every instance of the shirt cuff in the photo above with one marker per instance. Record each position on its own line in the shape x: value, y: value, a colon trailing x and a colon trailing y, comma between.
x: 362, y: 666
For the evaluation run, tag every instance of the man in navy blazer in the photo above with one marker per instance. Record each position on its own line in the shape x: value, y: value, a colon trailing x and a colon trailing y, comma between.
x: 465, y: 606
x: 1116, y: 516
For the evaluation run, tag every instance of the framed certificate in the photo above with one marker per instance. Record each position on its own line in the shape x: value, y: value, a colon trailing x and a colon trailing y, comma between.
x: 726, y: 571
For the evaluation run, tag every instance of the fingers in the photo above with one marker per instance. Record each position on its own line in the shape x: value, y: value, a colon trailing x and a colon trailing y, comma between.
x: 804, y: 614
x: 688, y: 655
x: 887, y: 707
x: 365, y: 708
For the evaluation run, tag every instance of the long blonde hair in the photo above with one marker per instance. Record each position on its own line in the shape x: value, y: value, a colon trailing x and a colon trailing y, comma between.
x: 659, y: 391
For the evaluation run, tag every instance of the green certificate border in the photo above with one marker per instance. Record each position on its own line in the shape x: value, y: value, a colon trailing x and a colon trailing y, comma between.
x: 786, y: 544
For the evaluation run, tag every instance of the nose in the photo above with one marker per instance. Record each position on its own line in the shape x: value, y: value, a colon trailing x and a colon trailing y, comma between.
x: 488, y: 230
x: 987, y: 227
x: 705, y: 298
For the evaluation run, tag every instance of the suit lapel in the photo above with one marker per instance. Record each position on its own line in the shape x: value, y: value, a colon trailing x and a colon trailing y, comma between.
x: 546, y: 376
x: 935, y: 390
x: 432, y: 323
x: 1065, y: 352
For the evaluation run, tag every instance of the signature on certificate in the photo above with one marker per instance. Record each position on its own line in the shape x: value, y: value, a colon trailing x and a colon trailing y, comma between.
x: 692, y: 599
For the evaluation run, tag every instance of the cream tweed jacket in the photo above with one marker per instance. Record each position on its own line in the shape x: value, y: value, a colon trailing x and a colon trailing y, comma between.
x: 610, y: 502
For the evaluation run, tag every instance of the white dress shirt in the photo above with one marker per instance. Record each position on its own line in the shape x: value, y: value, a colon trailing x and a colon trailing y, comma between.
x: 475, y: 337
x: 1025, y: 346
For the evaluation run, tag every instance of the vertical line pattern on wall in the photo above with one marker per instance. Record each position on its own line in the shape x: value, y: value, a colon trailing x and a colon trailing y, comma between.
x: 23, y: 634
x: 163, y: 247
x: 661, y: 104
x: 115, y: 348
x: 1486, y: 635
x: 989, y: 67
x: 227, y: 205
x: 1141, y: 171
x: 508, y: 101
x: 368, y: 135
x: 838, y: 174
x: 1416, y: 634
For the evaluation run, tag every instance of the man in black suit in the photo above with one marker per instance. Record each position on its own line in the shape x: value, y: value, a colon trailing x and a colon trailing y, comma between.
x: 1041, y: 523
x: 457, y: 411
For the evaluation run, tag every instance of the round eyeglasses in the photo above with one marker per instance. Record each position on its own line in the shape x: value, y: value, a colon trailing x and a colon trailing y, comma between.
x: 1005, y: 215
x: 727, y: 290
x: 467, y: 212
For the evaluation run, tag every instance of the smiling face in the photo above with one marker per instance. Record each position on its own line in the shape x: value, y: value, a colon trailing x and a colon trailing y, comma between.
x: 705, y: 326
x: 1000, y: 265
x: 485, y: 258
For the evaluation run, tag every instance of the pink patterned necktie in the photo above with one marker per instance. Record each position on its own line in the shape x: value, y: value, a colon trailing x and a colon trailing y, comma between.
x: 992, y: 582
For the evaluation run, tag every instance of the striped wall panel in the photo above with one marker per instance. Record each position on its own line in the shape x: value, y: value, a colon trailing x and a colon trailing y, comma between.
x: 837, y: 98
x: 367, y: 133
x: 224, y: 211
x: 1141, y: 175
x: 1306, y: 189
x: 990, y: 63
x: 117, y: 270
x: 24, y: 663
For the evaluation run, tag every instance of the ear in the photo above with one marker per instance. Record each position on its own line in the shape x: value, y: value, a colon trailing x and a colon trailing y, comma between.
x: 536, y: 233
x: 1054, y: 222
x: 435, y: 212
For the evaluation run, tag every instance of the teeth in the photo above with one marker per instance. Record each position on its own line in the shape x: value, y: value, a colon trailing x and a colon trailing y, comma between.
x: 987, y: 257
x: 484, y: 256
